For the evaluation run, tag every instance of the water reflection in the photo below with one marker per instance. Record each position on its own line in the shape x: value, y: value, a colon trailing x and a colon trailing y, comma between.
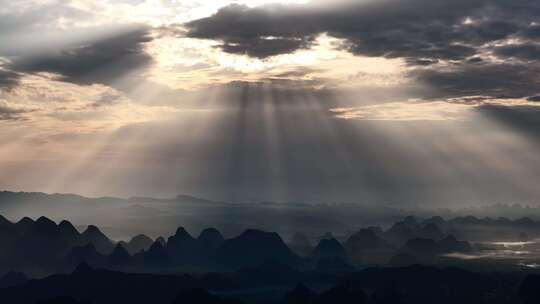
x: 522, y: 253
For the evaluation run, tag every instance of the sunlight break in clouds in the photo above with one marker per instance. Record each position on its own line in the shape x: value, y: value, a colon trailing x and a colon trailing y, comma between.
x: 287, y: 100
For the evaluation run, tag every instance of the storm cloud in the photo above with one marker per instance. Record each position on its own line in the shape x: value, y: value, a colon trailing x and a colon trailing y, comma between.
x: 413, y: 29
x: 450, y: 43
x: 498, y: 80
x: 102, y: 61
x: 8, y: 79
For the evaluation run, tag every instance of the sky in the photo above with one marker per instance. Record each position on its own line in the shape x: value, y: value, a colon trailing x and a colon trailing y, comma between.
x: 395, y: 102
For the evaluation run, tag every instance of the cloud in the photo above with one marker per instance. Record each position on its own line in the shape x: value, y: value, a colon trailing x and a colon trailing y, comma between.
x: 102, y: 61
x: 526, y: 51
x: 421, y: 31
x: 405, y: 111
x: 8, y: 79
x: 11, y: 112
x: 453, y: 48
x: 525, y: 118
x: 502, y: 80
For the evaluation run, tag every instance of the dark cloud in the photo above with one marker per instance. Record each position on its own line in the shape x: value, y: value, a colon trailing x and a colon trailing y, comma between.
x: 527, y: 51
x: 102, y: 61
x: 257, y: 32
x: 8, y: 112
x: 534, y: 98
x: 8, y: 79
x: 422, y: 31
x: 504, y: 80
x: 265, y: 47
x: 446, y: 41
x: 532, y: 32
x: 524, y: 118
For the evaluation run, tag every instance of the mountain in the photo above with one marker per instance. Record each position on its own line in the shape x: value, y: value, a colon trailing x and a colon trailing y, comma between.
x: 61, y: 300
x: 162, y: 241
x: 84, y: 254
x: 451, y: 245
x: 137, y: 244
x: 344, y: 294
x: 301, y: 245
x: 366, y: 247
x: 270, y: 273
x: 529, y: 289
x: 254, y: 247
x: 402, y: 259
x: 182, y: 247
x: 201, y: 296
x: 24, y: 225
x: 13, y: 278
x: 365, y: 239
x: 101, y: 286
x: 119, y: 257
x: 156, y: 256
x: 210, y: 239
x: 400, y: 233
x: 300, y: 295
x: 329, y: 248
x: 68, y: 231
x: 93, y: 235
x: 431, y: 231
x: 427, y: 250
x: 424, y: 248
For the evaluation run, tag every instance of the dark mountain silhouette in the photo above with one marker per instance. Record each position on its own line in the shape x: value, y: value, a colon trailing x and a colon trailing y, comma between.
x: 366, y: 247
x: 93, y: 235
x: 403, y: 259
x: 100, y: 286
x: 437, y: 221
x: 529, y: 289
x: 39, y: 248
x: 411, y: 222
x: 255, y: 266
x: 301, y: 245
x: 451, y: 245
x: 431, y: 231
x: 12, y: 278
x: 365, y: 239
x: 68, y: 231
x: 156, y: 256
x: 254, y: 247
x: 201, y: 296
x: 300, y: 295
x: 24, y: 225
x: 138, y: 243
x: 210, y: 239
x: 344, y: 294
x: 400, y: 233
x: 4, y: 222
x: 329, y: 248
x: 428, y: 250
x: 269, y: 273
x: 61, y: 300
x: 84, y: 254
x: 182, y: 247
x: 119, y: 257
x: 333, y: 265
x: 424, y: 248
x: 389, y: 294
x: 424, y: 284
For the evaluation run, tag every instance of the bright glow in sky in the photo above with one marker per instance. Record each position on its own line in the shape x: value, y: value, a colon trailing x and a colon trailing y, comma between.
x: 215, y: 88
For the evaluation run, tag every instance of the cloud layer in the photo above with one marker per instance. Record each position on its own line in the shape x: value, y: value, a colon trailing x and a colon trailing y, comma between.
x: 465, y: 47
